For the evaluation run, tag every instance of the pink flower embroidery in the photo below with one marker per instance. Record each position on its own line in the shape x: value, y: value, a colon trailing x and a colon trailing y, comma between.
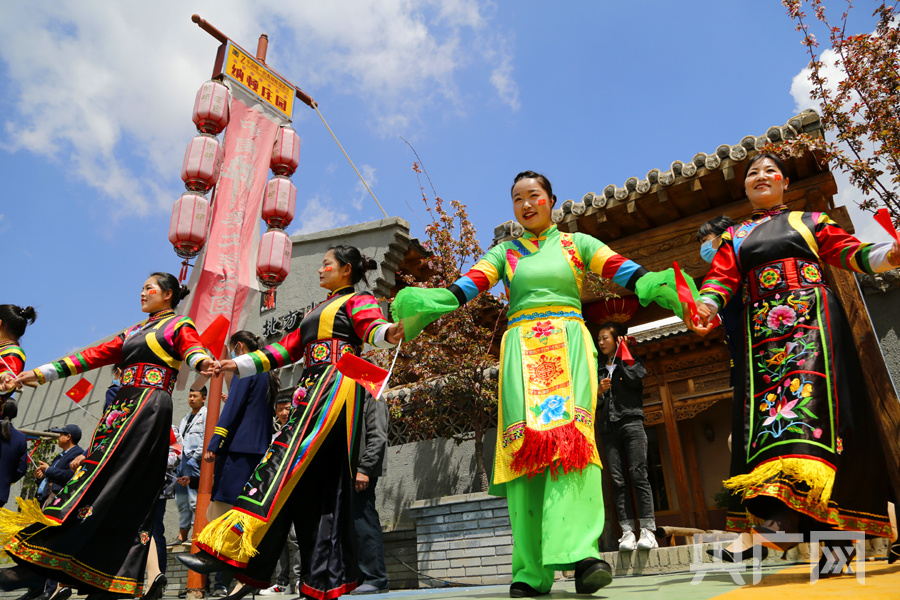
x: 781, y: 408
x: 781, y: 316
x: 767, y: 379
x: 112, y: 416
x: 542, y: 329
x: 299, y: 395
x: 817, y: 433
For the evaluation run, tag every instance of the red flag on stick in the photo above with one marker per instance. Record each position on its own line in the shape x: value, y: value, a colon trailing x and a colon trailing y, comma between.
x: 214, y: 336
x: 684, y: 292
x: 371, y: 377
x: 81, y: 389
x: 624, y: 353
x: 884, y: 219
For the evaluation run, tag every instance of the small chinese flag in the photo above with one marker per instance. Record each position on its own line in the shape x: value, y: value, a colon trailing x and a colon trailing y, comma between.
x: 684, y: 292
x: 884, y: 219
x: 81, y: 389
x: 214, y: 336
x: 372, y: 377
x: 624, y: 353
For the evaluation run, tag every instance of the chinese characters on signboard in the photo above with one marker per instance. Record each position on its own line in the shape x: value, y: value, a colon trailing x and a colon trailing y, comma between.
x: 267, y: 86
x: 280, y: 326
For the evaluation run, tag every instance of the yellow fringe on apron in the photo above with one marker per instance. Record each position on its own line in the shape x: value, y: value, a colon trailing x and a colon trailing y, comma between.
x: 220, y: 536
x: 11, y: 523
x: 815, y: 474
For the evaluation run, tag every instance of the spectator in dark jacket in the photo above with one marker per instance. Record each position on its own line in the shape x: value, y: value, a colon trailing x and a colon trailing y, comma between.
x: 372, y: 448
x: 13, y: 451
x: 620, y: 424
x: 55, y: 475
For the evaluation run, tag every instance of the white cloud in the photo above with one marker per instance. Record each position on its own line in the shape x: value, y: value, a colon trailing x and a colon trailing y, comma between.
x: 368, y: 174
x: 106, y: 88
x: 318, y: 215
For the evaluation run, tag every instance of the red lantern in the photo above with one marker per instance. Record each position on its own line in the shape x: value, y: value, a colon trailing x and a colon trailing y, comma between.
x: 274, y: 261
x: 286, y: 152
x: 187, y: 229
x: 202, y: 163
x: 211, y: 107
x: 279, y: 202
x: 619, y: 310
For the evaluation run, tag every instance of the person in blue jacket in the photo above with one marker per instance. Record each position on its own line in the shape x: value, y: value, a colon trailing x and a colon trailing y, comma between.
x: 13, y: 451
x: 242, y: 435
x: 55, y: 475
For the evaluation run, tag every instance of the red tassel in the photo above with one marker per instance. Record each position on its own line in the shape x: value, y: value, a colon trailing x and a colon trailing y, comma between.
x: 182, y: 275
x: 562, y: 448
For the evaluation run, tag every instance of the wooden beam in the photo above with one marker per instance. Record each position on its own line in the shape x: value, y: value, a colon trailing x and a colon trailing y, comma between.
x: 698, y: 195
x: 734, y: 185
x: 681, y: 483
x: 693, y: 467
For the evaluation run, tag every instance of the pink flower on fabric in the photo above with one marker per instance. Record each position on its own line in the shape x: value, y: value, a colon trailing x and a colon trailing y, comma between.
x: 542, y: 329
x: 781, y: 408
x: 781, y: 316
x: 817, y: 433
x: 767, y: 379
x: 112, y: 416
x: 299, y: 395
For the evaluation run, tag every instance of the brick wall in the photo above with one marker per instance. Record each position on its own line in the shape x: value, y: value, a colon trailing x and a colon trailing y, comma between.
x: 463, y: 539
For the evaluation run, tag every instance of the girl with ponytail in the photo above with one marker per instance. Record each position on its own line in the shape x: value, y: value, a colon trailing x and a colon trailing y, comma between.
x: 305, y: 477
x: 13, y: 320
x: 95, y: 535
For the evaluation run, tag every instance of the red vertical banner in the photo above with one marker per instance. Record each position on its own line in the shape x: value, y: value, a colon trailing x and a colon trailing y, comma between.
x: 225, y: 273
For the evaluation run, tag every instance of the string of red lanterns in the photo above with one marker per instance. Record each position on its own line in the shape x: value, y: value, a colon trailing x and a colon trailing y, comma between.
x: 200, y: 171
x: 273, y: 263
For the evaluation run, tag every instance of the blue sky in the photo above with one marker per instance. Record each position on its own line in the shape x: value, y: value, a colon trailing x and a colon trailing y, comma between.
x: 96, y: 113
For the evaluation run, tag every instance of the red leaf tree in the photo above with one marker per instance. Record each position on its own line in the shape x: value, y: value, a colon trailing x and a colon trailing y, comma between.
x: 450, y: 369
x: 862, y: 107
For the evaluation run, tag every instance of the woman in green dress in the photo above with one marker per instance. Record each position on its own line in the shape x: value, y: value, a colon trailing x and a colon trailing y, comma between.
x: 546, y: 462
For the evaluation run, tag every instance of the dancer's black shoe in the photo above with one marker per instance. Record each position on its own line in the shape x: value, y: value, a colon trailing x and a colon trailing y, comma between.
x: 18, y: 577
x: 156, y: 589
x: 32, y: 593
x: 591, y: 574
x: 523, y: 590
x: 237, y: 595
x: 726, y: 555
x: 203, y: 563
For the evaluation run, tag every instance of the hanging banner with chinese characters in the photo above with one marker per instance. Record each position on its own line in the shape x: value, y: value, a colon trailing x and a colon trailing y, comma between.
x: 256, y: 78
x: 223, y: 279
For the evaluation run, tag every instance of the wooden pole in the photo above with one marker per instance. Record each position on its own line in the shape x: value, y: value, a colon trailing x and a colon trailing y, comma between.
x: 196, y: 583
x: 674, y: 439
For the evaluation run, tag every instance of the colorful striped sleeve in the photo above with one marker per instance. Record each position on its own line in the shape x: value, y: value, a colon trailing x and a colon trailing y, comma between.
x: 609, y: 264
x: 274, y: 356
x: 107, y: 353
x: 481, y: 277
x: 724, y: 277
x: 366, y: 316
x: 13, y: 360
x: 188, y: 343
x: 840, y: 249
